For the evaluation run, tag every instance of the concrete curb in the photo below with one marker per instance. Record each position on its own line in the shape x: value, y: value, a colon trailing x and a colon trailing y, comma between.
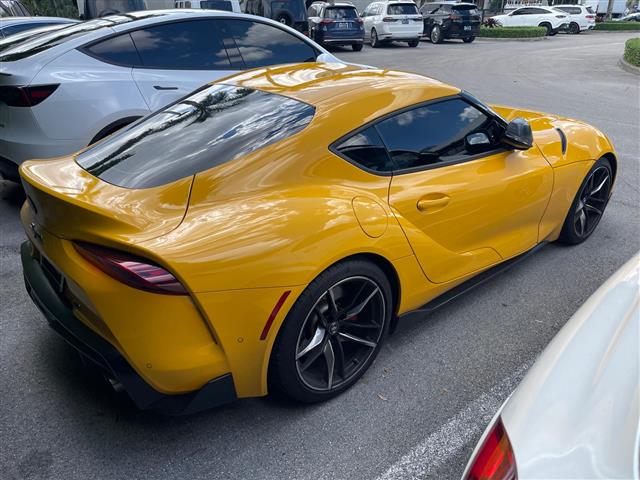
x: 627, y: 67
x: 528, y: 39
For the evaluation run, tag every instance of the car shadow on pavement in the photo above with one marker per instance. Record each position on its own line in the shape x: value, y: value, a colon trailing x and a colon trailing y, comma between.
x: 12, y: 193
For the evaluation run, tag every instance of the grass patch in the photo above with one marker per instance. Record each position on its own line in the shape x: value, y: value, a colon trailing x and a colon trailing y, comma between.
x: 632, y: 51
x: 618, y: 26
x: 512, y: 32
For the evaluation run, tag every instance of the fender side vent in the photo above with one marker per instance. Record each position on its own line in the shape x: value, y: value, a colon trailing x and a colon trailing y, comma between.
x: 563, y: 139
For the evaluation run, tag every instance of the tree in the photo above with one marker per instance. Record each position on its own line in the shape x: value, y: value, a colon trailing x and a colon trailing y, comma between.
x: 53, y: 8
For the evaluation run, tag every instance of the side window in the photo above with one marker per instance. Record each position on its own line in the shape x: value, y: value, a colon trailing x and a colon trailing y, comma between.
x: 191, y: 45
x: 261, y: 45
x: 436, y: 133
x: 539, y: 11
x: 366, y: 149
x: 520, y: 11
x: 119, y: 50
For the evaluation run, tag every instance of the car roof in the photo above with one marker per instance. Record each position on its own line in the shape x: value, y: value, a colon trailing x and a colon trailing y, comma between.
x: 327, y: 85
x: 5, y: 21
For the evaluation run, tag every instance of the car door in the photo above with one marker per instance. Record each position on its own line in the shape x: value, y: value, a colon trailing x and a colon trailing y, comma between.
x: 367, y: 19
x: 464, y: 205
x: 515, y: 18
x: 177, y: 58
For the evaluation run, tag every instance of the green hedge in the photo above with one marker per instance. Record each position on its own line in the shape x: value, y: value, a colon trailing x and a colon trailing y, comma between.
x: 632, y: 51
x: 512, y: 32
x: 612, y: 26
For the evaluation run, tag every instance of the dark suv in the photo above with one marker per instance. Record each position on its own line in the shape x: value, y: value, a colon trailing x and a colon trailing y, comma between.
x: 450, y: 20
x: 336, y: 24
x: 292, y: 13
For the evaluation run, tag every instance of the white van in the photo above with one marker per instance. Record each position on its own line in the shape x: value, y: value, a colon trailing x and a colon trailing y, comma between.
x: 227, y: 5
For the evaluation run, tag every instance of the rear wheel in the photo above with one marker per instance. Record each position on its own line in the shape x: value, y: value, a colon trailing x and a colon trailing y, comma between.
x: 436, y: 35
x: 548, y: 27
x: 589, y: 204
x: 574, y: 28
x: 284, y: 18
x: 332, y: 333
x: 468, y: 39
x: 414, y: 43
x: 356, y: 47
x: 375, y: 43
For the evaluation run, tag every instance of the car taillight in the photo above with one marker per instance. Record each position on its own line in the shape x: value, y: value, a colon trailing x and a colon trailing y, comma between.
x: 359, y: 21
x: 389, y: 19
x: 454, y: 17
x: 325, y: 21
x: 495, y: 459
x: 131, y: 270
x: 589, y: 17
x: 26, y: 96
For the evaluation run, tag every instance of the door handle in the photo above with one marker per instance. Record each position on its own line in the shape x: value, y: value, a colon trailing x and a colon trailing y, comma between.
x: 158, y: 87
x: 432, y: 202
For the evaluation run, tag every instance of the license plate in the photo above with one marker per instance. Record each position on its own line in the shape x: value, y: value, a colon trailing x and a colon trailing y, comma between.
x: 405, y: 21
x: 467, y: 27
x: 343, y: 26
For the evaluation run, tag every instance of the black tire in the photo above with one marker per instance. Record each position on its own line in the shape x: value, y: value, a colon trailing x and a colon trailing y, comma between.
x: 356, y: 47
x: 375, y: 43
x: 574, y: 28
x: 585, y: 202
x: 414, y: 43
x: 468, y: 39
x: 284, y: 18
x: 290, y: 369
x: 548, y: 27
x: 436, y: 34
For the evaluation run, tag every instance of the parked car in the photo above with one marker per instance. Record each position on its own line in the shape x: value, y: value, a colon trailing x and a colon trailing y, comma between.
x: 12, y: 25
x: 581, y: 18
x: 392, y: 21
x: 16, y: 38
x: 69, y: 88
x: 444, y: 20
x: 265, y: 232
x: 336, y: 24
x: 292, y: 13
x: 576, y: 412
x: 13, y: 8
x: 633, y: 17
x: 226, y: 5
x: 546, y: 17
x: 89, y: 9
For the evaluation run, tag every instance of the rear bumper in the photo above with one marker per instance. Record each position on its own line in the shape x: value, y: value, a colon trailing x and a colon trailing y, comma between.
x: 61, y: 318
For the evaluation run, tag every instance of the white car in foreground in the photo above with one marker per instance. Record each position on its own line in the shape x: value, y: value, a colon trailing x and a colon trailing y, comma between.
x: 392, y: 21
x: 581, y: 18
x: 576, y: 413
x: 546, y: 17
x: 66, y: 89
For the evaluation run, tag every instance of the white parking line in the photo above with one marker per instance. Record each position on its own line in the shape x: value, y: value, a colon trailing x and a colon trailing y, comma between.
x: 434, y: 451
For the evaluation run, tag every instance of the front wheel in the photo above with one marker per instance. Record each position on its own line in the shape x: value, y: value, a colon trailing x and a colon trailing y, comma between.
x: 589, y: 204
x: 468, y: 39
x: 375, y: 43
x: 436, y: 34
x: 332, y: 333
x: 356, y: 47
x: 413, y: 43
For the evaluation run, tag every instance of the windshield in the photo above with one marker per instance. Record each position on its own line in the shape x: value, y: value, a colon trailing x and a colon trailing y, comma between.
x: 402, y: 9
x: 213, y: 126
x: 217, y: 5
x: 51, y: 39
x: 338, y: 13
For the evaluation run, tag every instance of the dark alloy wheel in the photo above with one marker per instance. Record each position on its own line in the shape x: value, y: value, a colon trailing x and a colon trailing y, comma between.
x: 436, y: 35
x: 333, y: 332
x: 589, y: 204
x: 375, y: 43
x: 574, y: 28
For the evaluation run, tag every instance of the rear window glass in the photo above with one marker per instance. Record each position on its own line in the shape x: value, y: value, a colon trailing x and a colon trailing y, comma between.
x: 7, y: 43
x: 590, y: 10
x: 217, y: 5
x: 465, y: 9
x: 48, y: 40
x: 338, y: 13
x: 213, y: 126
x: 402, y: 9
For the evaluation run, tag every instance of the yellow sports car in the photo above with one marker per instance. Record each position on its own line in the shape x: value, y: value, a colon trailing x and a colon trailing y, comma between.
x: 265, y: 232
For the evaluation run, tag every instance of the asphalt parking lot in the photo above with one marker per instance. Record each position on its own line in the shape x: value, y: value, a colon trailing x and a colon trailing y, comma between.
x: 420, y: 409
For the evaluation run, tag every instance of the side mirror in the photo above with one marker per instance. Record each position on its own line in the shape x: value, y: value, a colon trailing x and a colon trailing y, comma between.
x: 476, y: 142
x: 518, y: 134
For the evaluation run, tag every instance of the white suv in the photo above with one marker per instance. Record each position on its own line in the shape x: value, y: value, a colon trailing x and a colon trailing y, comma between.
x: 63, y: 90
x: 392, y: 20
x: 580, y: 17
x: 553, y: 20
